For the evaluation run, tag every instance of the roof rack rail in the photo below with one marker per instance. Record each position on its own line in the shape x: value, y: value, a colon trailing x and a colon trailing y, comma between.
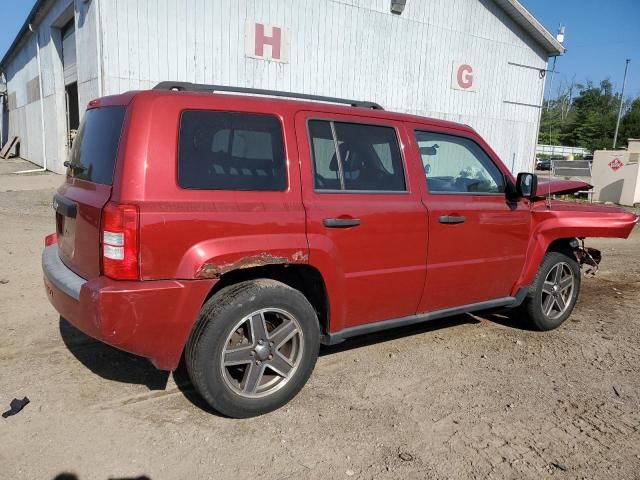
x: 199, y: 87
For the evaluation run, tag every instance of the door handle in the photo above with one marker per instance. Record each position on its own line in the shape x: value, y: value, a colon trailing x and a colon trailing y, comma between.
x: 450, y: 219
x: 341, y: 222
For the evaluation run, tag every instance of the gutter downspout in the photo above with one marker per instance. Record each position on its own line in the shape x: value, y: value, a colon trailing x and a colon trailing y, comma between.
x: 99, y: 47
x: 3, y: 97
x: 44, y: 140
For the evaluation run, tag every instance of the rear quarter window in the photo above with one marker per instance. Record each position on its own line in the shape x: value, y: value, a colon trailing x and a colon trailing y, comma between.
x: 96, y: 145
x: 231, y: 151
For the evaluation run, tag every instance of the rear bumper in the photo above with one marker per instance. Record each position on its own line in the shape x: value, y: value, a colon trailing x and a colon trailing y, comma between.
x: 148, y: 318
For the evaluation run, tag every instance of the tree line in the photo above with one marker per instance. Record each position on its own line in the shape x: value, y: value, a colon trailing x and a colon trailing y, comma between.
x: 584, y: 115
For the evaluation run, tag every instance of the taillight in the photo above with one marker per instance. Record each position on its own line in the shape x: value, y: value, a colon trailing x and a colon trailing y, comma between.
x: 120, y: 241
x: 50, y: 239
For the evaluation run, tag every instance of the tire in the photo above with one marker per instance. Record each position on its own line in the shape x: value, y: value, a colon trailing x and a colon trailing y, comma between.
x: 253, y: 348
x: 548, y: 289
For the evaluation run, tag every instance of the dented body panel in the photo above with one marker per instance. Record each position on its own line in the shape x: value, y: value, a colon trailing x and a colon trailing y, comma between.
x: 561, y: 219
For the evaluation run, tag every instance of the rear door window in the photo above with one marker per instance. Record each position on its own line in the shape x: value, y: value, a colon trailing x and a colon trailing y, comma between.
x: 367, y: 158
x: 231, y: 151
x: 96, y: 145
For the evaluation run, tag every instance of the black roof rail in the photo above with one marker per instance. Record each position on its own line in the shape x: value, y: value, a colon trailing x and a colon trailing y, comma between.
x: 199, y: 87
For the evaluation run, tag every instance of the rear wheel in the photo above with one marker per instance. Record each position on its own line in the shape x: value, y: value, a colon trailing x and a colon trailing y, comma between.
x: 554, y: 292
x: 254, y: 347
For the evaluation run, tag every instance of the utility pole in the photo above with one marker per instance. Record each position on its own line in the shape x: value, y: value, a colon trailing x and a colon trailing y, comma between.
x: 624, y: 80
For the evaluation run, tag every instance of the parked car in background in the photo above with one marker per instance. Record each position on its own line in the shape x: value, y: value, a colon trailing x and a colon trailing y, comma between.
x: 543, y: 164
x: 242, y: 232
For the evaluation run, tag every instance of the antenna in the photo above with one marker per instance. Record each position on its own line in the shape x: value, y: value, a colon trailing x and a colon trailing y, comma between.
x: 559, y: 38
x: 549, y: 182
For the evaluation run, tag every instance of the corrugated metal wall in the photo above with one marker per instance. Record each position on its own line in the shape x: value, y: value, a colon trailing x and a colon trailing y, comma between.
x: 24, y: 118
x: 346, y: 48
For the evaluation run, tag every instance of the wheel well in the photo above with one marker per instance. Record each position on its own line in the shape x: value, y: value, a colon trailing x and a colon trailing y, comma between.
x: 562, y: 245
x: 303, y: 278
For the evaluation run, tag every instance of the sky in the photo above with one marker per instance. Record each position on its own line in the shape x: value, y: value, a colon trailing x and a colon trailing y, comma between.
x: 599, y: 36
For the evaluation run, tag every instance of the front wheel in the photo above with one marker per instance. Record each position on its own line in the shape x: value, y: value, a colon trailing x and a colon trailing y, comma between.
x: 254, y: 347
x: 554, y: 292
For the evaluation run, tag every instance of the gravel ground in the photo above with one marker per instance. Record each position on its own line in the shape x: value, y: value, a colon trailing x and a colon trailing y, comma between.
x: 469, y: 397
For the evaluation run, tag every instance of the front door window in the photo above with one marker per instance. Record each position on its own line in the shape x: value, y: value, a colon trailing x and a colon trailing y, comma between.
x: 457, y: 165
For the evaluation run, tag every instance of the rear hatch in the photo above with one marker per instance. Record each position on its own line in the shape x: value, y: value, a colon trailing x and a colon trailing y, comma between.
x: 79, y: 201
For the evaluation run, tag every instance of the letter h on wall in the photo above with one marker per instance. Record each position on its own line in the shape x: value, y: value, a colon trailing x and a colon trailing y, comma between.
x: 266, y: 42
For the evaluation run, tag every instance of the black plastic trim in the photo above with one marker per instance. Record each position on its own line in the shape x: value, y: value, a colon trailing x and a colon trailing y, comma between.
x: 342, y: 335
x: 64, y: 206
x: 341, y: 222
x: 59, y: 274
x: 451, y: 219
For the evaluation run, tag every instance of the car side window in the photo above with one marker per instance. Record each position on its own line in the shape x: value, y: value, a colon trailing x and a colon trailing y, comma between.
x: 231, y: 151
x: 457, y: 165
x: 355, y: 157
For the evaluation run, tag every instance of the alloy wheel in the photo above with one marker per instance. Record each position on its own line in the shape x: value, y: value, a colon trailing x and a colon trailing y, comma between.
x: 557, y: 290
x: 262, y: 352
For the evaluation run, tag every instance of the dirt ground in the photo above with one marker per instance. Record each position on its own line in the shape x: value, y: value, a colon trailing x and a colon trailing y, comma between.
x: 469, y: 397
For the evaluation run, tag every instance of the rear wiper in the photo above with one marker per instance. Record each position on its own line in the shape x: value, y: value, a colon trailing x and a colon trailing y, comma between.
x: 74, y: 166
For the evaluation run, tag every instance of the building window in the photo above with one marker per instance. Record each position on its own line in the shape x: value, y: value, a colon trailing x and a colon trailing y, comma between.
x: 457, y: 165
x: 355, y: 157
x: 231, y: 151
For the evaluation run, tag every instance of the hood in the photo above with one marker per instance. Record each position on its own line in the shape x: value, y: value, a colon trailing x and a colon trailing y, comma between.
x: 557, y: 187
x: 585, y: 207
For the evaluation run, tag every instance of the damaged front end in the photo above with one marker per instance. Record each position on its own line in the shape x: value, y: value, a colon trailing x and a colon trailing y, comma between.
x: 588, y: 258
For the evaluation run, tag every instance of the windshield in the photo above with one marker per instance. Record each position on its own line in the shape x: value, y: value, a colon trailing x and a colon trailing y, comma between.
x: 94, y: 150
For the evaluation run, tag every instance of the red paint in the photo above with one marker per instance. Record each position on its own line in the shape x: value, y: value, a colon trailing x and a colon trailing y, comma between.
x: 377, y: 270
x: 399, y: 261
x: 275, y: 41
x: 51, y: 239
x: 569, y: 219
x: 465, y: 76
x: 616, y: 164
x: 79, y: 238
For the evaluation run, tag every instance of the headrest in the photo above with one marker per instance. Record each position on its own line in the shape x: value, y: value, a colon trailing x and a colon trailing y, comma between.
x: 352, y: 158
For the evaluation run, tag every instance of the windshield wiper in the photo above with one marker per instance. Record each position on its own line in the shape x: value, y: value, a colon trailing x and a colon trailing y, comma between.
x: 74, y: 166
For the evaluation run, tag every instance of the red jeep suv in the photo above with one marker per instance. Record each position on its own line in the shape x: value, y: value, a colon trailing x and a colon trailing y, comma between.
x: 244, y: 230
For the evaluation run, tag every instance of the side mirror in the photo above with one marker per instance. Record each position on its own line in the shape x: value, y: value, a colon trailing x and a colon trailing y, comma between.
x: 526, y: 185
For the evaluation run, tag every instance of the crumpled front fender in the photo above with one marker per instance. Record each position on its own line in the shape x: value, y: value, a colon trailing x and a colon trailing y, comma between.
x: 570, y: 220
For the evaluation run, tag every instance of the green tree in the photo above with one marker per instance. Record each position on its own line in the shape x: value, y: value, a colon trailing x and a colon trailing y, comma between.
x: 550, y: 123
x: 593, y: 120
x: 630, y: 123
x: 557, y: 112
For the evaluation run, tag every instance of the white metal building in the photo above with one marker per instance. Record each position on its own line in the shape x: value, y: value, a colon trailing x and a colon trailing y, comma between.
x: 479, y: 62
